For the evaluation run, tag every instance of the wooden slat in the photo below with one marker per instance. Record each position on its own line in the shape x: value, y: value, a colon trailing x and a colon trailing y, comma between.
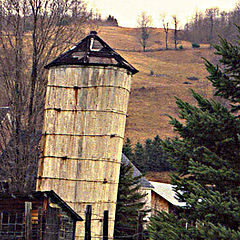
x: 84, y: 124
x: 28, y: 220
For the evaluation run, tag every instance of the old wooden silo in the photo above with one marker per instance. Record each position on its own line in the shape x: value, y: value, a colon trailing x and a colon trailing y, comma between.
x: 85, y: 114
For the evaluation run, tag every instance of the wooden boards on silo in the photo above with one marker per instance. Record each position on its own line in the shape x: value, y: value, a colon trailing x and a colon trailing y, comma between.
x: 84, y: 124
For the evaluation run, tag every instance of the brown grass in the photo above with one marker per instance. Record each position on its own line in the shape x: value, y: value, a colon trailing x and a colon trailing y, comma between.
x: 152, y: 97
x: 163, y: 177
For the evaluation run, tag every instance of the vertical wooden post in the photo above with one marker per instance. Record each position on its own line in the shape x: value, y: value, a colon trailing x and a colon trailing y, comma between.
x: 140, y: 226
x: 40, y: 223
x: 88, y: 214
x: 105, y: 225
x: 1, y: 220
x: 28, y: 220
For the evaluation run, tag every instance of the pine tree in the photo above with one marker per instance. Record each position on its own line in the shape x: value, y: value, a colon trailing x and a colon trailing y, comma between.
x: 148, y: 152
x: 206, y: 157
x: 127, y: 149
x: 159, y: 156
x: 139, y: 158
x: 148, y: 157
x: 130, y: 202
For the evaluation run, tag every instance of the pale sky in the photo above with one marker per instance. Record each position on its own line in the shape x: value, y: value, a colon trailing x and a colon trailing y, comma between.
x: 127, y: 11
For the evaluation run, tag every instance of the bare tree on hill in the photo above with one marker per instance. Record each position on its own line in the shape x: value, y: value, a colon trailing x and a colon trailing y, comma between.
x: 32, y: 32
x: 175, y: 21
x: 144, y: 31
x: 166, y: 29
x: 211, y: 14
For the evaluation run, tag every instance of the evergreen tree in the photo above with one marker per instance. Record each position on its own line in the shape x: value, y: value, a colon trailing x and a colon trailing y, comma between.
x: 139, y: 158
x: 206, y: 157
x: 150, y: 157
x: 130, y: 202
x: 159, y: 157
x: 148, y: 152
x: 127, y: 149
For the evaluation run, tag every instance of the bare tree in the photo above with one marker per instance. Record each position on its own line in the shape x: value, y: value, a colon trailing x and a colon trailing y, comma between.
x: 211, y: 14
x: 175, y: 21
x: 144, y: 24
x: 166, y: 29
x: 32, y: 33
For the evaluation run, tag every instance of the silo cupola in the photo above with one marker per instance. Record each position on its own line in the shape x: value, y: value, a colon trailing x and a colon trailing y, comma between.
x: 92, y: 50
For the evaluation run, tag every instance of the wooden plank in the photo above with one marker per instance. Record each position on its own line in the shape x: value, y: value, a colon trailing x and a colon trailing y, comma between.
x: 105, y: 225
x: 28, y: 220
x: 87, y: 129
x: 1, y: 220
x: 88, y: 216
x: 140, y: 226
x: 40, y: 223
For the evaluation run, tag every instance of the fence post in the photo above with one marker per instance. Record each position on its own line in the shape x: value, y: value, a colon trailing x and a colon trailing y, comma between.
x: 105, y: 225
x: 88, y: 214
x: 28, y: 220
x: 140, y: 226
x: 40, y: 223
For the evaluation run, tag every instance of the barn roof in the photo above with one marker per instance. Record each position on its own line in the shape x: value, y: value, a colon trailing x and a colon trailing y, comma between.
x: 92, y: 50
x: 38, y: 195
x: 143, y: 181
x: 166, y: 191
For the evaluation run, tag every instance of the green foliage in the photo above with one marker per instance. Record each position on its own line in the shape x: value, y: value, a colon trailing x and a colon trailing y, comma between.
x: 206, y: 157
x: 195, y: 45
x: 225, y: 76
x: 127, y: 149
x: 148, y: 157
x: 112, y: 20
x: 129, y: 203
x: 139, y: 159
x: 181, y: 47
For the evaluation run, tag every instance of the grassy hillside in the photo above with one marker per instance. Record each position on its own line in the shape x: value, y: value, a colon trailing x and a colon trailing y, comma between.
x: 153, y: 96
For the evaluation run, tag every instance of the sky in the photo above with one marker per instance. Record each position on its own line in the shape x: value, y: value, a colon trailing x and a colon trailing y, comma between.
x: 127, y: 11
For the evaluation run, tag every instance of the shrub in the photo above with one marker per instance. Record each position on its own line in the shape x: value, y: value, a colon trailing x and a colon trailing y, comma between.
x: 195, y: 45
x: 181, y: 47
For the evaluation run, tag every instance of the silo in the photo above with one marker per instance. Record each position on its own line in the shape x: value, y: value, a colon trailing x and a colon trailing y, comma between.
x: 84, y: 122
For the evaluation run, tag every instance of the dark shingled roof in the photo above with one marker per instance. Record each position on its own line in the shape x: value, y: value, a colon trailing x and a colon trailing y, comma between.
x: 37, y: 195
x: 92, y: 50
x: 144, y: 182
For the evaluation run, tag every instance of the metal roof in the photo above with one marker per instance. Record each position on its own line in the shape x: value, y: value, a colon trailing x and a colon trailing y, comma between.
x: 92, y: 50
x: 144, y: 182
x: 166, y: 191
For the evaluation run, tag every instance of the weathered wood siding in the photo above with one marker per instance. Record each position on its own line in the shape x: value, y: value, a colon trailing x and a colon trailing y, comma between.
x: 159, y: 203
x: 84, y: 124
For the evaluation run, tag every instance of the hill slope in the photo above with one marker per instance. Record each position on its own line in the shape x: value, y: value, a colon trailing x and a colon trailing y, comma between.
x: 153, y: 96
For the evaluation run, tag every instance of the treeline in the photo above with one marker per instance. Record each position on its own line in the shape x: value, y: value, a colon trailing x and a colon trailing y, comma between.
x: 205, y: 27
x: 148, y: 157
x: 97, y: 19
x: 76, y: 13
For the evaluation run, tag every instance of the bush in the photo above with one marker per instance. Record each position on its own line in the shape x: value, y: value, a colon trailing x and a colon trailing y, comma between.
x: 181, y: 47
x: 195, y: 45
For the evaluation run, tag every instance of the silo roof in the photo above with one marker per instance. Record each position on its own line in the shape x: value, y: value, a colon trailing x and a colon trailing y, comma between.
x: 92, y: 50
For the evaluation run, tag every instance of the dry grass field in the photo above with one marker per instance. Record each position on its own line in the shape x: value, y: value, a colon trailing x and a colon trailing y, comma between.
x: 152, y: 97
